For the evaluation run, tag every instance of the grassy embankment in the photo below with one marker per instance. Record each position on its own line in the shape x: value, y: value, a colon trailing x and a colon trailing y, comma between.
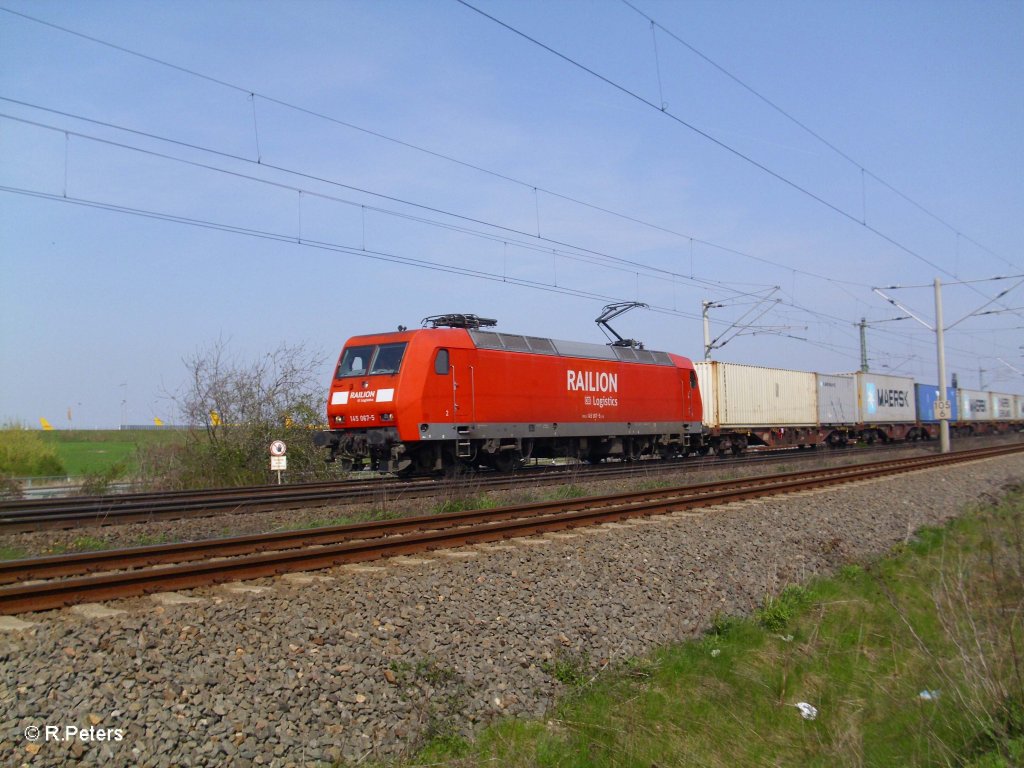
x: 915, y: 660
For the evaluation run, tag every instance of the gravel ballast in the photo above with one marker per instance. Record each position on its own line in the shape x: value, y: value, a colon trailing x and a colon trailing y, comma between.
x: 364, y: 661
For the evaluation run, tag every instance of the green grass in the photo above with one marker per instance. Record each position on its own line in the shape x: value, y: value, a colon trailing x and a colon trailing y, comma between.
x: 81, y: 544
x: 12, y: 553
x: 943, y: 613
x: 95, y: 452
x: 463, y: 504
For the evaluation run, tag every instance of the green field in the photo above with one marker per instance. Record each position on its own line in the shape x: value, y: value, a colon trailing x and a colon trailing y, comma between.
x: 94, y: 452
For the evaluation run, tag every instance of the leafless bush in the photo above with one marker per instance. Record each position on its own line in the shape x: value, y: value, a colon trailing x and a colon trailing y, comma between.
x: 235, y: 409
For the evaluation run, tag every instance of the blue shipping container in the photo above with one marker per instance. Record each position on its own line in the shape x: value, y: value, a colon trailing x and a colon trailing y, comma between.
x: 927, y: 394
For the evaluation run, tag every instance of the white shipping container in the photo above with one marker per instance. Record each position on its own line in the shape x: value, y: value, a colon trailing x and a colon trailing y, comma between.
x: 975, y: 405
x: 1002, y: 406
x: 736, y: 395
x: 1019, y: 413
x: 837, y: 398
x: 885, y: 399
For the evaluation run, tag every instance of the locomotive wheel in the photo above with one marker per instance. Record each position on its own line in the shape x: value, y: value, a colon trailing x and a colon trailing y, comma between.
x: 453, y: 466
x: 505, y: 461
x: 406, y: 468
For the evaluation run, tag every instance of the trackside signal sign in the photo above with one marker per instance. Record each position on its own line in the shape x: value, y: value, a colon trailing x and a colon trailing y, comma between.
x: 278, y: 459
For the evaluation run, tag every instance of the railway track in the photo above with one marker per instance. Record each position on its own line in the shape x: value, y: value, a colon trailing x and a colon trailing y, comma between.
x: 51, y: 582
x: 73, y: 512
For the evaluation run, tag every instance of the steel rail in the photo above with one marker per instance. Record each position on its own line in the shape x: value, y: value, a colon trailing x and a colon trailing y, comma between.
x: 65, y: 513
x: 458, y: 530
x: 84, y: 562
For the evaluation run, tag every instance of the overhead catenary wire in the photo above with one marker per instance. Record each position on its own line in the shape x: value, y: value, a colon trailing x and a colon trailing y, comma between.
x: 816, y: 135
x: 654, y: 23
x: 629, y: 267
x: 252, y: 94
x: 713, y: 139
x: 704, y: 134
x: 296, y: 239
x: 609, y: 260
x: 627, y: 264
x: 537, y: 189
x: 291, y: 239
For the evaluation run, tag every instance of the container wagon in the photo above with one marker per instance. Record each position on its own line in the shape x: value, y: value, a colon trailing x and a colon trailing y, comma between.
x: 748, y: 405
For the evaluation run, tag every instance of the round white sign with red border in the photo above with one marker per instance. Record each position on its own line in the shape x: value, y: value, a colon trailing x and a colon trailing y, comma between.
x: 277, y: 448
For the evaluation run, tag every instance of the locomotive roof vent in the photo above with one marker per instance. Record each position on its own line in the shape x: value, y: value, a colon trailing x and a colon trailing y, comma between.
x: 458, y: 321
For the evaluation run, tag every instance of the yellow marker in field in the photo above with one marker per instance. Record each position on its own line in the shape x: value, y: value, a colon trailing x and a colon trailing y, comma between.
x: 45, y: 424
x: 215, y: 418
x: 157, y: 421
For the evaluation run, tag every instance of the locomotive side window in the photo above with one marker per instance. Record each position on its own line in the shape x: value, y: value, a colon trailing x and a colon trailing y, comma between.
x: 693, y: 380
x: 353, y: 362
x: 441, y: 362
x: 388, y: 358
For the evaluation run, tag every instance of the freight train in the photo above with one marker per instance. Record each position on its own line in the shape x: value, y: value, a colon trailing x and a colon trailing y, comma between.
x: 459, y: 395
x: 751, y: 405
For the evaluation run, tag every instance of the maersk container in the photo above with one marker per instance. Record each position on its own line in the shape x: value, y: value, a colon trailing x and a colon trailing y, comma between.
x: 975, y: 405
x: 926, y: 395
x: 738, y: 396
x: 837, y: 398
x: 885, y: 399
x: 1002, y: 406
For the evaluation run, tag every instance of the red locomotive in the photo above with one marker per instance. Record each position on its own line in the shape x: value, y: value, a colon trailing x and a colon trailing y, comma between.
x: 456, y: 395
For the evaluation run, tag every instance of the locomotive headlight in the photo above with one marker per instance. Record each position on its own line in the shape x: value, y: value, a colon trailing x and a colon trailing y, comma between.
x: 339, y: 419
x: 387, y: 417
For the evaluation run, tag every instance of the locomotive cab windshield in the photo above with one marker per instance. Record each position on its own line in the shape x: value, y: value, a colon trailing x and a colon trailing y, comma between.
x: 371, y: 360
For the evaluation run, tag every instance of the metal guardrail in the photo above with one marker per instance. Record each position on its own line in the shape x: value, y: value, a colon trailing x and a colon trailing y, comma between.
x: 57, y: 486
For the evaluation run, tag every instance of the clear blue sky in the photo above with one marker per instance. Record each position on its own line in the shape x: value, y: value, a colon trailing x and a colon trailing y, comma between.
x: 384, y: 132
